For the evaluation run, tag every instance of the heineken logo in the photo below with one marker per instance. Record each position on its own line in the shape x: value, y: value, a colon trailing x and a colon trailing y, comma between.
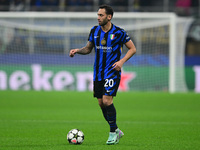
x: 38, y: 78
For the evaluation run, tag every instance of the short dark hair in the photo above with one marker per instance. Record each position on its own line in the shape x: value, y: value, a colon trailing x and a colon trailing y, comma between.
x: 109, y: 10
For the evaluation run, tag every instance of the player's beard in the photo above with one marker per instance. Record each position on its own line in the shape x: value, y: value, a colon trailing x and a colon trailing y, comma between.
x: 104, y: 22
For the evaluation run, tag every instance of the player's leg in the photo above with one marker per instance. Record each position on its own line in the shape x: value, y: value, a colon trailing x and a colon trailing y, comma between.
x: 106, y: 105
x: 109, y: 92
x: 98, y: 93
x: 111, y: 116
x: 111, y: 112
x: 103, y: 108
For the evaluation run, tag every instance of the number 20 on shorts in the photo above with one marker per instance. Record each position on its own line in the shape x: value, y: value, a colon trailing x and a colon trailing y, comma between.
x: 109, y: 83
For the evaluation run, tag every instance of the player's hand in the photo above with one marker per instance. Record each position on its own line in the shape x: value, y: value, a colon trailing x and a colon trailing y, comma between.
x: 117, y: 65
x: 73, y: 52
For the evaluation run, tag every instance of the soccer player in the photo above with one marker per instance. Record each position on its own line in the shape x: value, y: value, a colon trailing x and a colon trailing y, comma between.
x: 107, y: 39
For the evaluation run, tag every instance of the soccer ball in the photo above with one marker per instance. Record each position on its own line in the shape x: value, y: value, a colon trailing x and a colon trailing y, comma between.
x: 75, y: 136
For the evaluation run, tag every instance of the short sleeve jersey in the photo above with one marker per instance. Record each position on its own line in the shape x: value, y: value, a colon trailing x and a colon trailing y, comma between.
x: 108, y: 49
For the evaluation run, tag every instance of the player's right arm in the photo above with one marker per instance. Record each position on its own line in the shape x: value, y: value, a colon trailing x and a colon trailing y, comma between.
x: 83, y: 51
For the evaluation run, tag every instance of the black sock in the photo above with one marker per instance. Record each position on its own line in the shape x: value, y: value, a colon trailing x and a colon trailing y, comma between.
x: 104, y: 111
x: 111, y: 117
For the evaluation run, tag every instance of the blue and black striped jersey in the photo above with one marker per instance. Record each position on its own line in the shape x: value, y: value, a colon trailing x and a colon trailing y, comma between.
x: 108, y: 49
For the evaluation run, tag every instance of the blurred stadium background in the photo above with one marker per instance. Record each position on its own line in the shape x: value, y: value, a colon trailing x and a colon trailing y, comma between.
x: 36, y: 37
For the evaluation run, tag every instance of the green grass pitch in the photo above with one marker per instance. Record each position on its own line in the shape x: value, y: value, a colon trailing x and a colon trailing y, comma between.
x: 150, y: 121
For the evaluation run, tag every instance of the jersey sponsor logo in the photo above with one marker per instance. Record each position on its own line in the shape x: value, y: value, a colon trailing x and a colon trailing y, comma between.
x: 104, y: 48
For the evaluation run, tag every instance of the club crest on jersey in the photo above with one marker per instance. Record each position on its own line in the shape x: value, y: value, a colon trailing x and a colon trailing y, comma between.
x: 103, y: 42
x: 112, y: 36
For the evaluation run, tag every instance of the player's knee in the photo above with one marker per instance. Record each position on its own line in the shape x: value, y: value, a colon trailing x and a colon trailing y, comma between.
x: 107, y: 100
x: 106, y: 103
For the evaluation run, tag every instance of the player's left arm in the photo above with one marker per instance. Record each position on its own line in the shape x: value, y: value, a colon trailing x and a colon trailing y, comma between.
x: 132, y: 50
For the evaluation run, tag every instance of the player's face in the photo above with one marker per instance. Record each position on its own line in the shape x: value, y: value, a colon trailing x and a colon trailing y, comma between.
x: 103, y: 18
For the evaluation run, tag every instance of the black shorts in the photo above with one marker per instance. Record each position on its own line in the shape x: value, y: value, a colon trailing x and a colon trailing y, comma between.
x: 106, y: 87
